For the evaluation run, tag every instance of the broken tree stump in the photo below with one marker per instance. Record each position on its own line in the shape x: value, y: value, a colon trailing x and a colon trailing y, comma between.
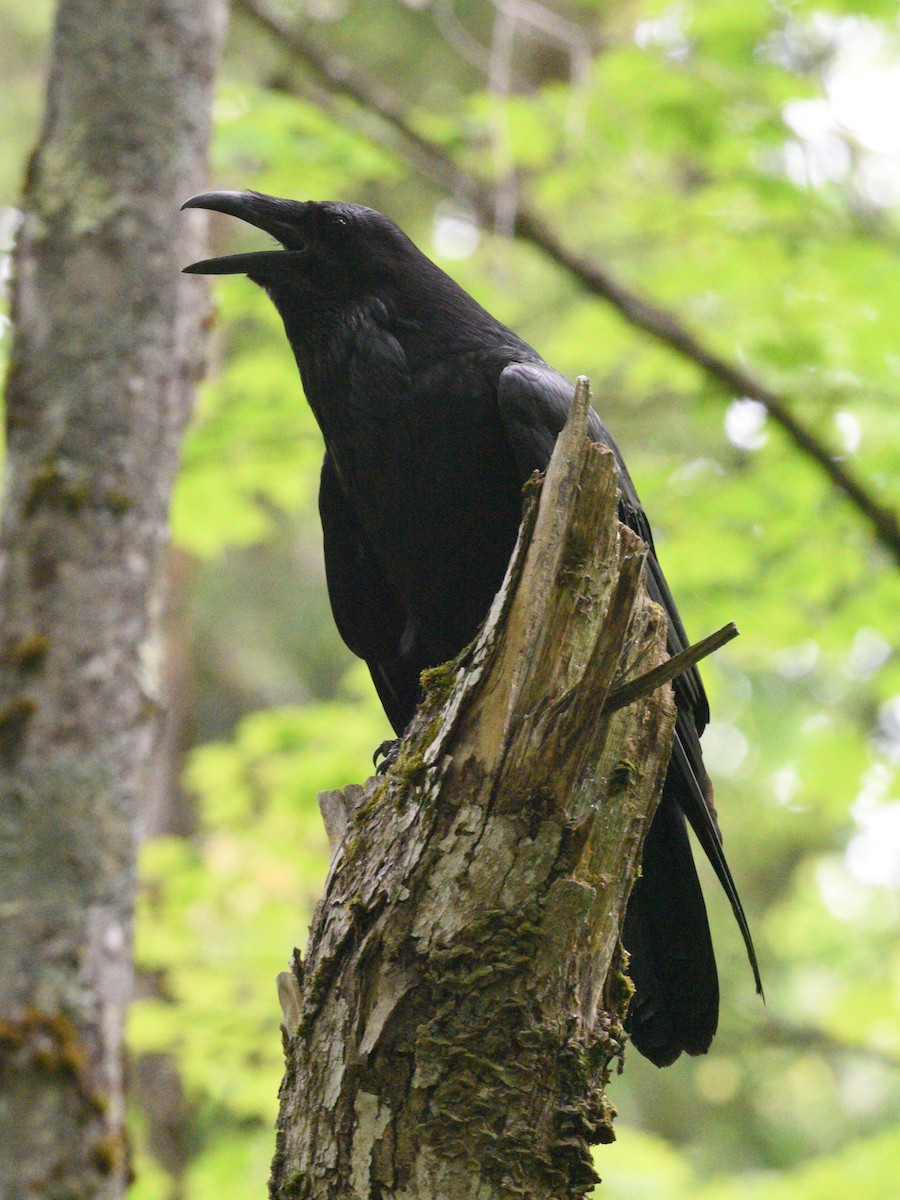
x: 450, y: 1033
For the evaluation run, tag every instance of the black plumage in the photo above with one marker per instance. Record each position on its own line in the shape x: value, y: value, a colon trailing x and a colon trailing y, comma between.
x: 434, y: 414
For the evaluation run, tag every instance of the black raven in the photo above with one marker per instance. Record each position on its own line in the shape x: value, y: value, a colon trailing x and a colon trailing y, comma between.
x: 434, y: 414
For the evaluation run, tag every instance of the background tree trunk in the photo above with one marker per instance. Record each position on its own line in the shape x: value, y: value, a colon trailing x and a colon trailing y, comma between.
x: 100, y: 385
x: 451, y: 1031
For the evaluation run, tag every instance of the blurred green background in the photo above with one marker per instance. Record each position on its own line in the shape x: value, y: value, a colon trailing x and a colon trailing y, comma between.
x: 740, y: 162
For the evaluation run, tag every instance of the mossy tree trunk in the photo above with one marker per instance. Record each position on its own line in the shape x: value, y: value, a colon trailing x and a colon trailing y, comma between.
x: 100, y: 385
x: 451, y: 1030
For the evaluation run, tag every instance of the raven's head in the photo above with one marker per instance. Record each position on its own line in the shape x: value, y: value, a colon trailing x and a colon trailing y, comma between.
x: 328, y: 247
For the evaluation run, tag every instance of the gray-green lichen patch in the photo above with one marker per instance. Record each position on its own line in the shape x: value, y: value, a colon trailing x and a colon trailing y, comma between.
x: 27, y: 653
x: 66, y: 186
x: 14, y: 718
x: 372, y: 1117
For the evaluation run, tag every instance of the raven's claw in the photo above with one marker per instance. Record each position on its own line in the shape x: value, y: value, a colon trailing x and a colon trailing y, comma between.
x: 390, y: 750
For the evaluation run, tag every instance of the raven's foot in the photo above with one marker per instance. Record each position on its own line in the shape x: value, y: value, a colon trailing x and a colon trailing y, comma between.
x: 390, y: 750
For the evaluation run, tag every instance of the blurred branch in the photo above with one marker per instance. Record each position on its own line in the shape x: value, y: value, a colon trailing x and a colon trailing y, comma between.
x: 431, y: 160
x: 458, y: 37
x: 807, y: 1037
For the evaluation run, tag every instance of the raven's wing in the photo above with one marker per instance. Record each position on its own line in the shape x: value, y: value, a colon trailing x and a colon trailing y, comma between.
x: 534, y: 401
x: 368, y: 615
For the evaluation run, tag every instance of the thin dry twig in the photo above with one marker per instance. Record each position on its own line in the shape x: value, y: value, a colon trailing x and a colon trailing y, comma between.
x: 643, y: 685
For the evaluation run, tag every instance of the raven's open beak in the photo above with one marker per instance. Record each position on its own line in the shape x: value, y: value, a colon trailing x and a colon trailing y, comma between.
x: 266, y: 213
x: 237, y: 264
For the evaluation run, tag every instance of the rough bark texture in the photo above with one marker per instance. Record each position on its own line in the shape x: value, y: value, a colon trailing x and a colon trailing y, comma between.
x: 100, y: 385
x: 451, y: 1031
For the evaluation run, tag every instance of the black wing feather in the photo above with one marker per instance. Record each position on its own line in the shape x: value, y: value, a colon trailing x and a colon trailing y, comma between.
x: 368, y: 615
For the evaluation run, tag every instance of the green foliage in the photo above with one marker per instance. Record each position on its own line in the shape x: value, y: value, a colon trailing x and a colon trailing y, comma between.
x: 23, y: 49
x: 220, y: 912
x: 253, y: 448
x: 286, y: 144
x: 648, y: 1168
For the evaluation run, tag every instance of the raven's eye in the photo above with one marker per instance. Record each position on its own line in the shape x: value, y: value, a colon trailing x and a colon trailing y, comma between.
x: 341, y: 221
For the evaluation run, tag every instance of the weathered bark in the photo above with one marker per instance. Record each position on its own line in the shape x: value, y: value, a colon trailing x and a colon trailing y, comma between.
x: 451, y: 1031
x: 103, y: 363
